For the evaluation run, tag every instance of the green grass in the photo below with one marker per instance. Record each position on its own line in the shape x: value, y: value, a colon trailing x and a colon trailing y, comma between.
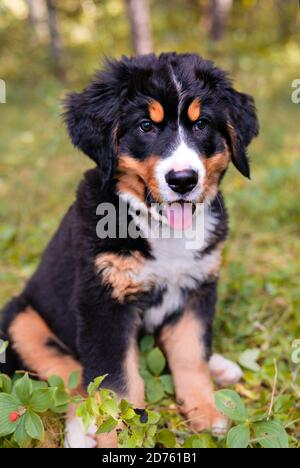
x: 259, y: 291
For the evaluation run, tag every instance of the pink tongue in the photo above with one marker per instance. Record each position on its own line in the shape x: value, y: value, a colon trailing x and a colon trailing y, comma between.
x: 180, y: 216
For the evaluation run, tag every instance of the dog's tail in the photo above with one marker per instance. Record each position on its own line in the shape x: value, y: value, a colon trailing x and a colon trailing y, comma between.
x: 9, y: 360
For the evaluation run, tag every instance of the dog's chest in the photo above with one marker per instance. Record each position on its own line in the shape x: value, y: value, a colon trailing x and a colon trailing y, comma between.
x: 177, y: 272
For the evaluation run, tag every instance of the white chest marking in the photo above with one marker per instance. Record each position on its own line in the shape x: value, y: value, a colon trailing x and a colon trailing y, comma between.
x: 176, y: 269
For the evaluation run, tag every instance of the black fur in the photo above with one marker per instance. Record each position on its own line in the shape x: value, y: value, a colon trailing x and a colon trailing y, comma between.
x: 102, y: 121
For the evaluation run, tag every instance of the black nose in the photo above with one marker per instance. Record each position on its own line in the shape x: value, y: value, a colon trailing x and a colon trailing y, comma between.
x: 182, y: 181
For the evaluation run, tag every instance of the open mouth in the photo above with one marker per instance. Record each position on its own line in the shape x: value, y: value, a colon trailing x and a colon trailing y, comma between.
x: 178, y: 214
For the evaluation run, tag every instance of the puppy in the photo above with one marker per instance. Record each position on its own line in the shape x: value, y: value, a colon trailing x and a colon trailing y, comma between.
x: 162, y: 132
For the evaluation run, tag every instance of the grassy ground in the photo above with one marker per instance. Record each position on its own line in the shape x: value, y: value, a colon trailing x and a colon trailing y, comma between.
x: 259, y: 292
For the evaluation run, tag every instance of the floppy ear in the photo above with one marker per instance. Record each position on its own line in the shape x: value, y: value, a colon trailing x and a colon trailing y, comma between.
x: 91, y: 118
x: 242, y: 127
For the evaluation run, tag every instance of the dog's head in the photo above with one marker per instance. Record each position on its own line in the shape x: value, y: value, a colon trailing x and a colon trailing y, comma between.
x: 164, y: 128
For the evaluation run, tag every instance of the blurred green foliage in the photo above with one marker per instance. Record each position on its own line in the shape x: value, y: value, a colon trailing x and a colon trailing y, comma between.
x: 39, y: 169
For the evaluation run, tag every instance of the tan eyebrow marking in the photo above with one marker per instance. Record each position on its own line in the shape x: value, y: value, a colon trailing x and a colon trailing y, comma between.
x: 156, y: 111
x: 194, y: 111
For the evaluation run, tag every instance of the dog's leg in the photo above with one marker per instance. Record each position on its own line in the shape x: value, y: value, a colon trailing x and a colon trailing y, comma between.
x: 185, y: 344
x: 134, y: 393
x: 34, y: 343
x: 108, y: 345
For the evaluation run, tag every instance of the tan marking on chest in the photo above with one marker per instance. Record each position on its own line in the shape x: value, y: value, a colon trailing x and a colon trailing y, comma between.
x: 120, y: 272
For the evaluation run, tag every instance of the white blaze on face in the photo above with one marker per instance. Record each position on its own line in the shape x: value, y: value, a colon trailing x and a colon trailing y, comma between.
x: 182, y: 158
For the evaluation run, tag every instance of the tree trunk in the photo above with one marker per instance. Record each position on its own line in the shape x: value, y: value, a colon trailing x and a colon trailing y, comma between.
x: 32, y: 19
x: 37, y: 18
x: 140, y: 22
x: 219, y: 13
x: 286, y: 19
x: 56, y: 47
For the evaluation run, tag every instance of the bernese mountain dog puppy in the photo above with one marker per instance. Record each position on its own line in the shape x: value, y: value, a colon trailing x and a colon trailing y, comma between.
x: 162, y: 132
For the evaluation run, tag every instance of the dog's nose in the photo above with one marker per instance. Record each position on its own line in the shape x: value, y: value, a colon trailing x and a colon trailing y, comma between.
x: 182, y: 181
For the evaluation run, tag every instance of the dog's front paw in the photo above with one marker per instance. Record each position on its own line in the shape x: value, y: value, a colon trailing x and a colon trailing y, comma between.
x: 224, y: 371
x: 206, y: 417
x: 76, y: 437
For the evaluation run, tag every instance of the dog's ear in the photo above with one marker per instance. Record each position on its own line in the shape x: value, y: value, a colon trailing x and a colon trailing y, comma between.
x: 92, y: 118
x: 242, y: 127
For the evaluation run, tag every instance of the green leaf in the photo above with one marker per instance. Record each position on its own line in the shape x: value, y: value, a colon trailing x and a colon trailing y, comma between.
x: 147, y: 343
x: 138, y: 432
x: 95, y: 385
x: 248, y: 359
x: 21, y: 437
x: 166, y: 438
x: 127, y: 411
x: 238, y: 437
x: 5, y: 383
x: 155, y: 390
x: 283, y: 404
x: 56, y: 381
x: 23, y: 389
x: 34, y: 426
x: 153, y: 417
x: 156, y: 361
x: 74, y: 380
x: 168, y: 384
x: 203, y: 441
x: 8, y: 404
x: 124, y: 406
x: 271, y: 434
x: 109, y: 425
x: 126, y: 440
x: 37, y: 385
x: 3, y: 346
x: 110, y: 407
x: 61, y: 398
x: 59, y: 409
x: 41, y: 400
x: 92, y: 406
x: 230, y: 404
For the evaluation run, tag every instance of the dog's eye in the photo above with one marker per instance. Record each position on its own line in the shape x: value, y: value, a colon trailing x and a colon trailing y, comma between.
x: 146, y: 126
x: 201, y: 124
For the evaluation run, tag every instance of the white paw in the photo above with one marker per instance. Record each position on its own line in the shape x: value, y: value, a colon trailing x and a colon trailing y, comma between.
x: 220, y: 427
x: 224, y: 371
x: 76, y: 437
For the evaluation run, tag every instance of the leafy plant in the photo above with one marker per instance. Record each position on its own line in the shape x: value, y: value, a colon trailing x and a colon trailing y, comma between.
x: 159, y: 384
x: 266, y: 432
x: 23, y: 401
x: 26, y: 406
x: 137, y: 427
